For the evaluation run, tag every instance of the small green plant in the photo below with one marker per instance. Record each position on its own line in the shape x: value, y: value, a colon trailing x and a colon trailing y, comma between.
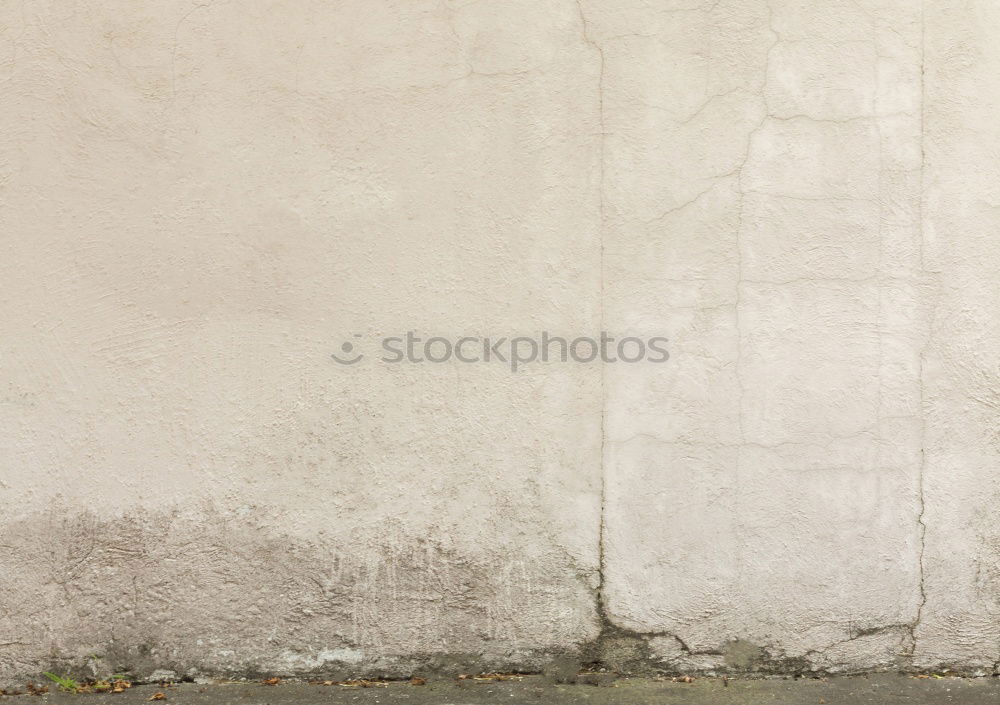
x: 117, y: 683
x: 64, y: 682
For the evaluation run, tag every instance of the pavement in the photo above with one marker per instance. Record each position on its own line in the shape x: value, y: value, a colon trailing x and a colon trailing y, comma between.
x: 847, y: 690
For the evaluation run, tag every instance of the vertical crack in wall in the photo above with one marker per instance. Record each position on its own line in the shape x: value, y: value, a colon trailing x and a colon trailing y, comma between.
x: 600, y: 603
x: 738, y: 302
x: 921, y: 504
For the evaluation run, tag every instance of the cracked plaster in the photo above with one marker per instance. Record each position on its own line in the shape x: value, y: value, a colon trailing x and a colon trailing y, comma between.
x: 200, y: 201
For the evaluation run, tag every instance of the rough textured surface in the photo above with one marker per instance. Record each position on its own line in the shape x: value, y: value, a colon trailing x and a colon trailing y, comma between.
x: 960, y: 619
x: 200, y: 201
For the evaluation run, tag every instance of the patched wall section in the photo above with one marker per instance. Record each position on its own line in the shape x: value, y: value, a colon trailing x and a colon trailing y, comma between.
x: 765, y: 489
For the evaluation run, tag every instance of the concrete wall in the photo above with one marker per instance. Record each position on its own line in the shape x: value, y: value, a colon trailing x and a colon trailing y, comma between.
x: 200, y: 202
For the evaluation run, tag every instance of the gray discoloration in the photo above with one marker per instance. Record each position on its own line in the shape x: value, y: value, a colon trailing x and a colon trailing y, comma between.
x: 743, y: 656
x: 226, y: 595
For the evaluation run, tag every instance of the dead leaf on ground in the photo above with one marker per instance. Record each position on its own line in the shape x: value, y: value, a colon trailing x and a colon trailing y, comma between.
x: 271, y: 681
x: 418, y: 681
x: 499, y: 677
x: 157, y: 696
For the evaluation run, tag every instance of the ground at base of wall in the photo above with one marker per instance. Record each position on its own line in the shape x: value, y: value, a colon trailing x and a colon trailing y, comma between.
x: 843, y: 690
